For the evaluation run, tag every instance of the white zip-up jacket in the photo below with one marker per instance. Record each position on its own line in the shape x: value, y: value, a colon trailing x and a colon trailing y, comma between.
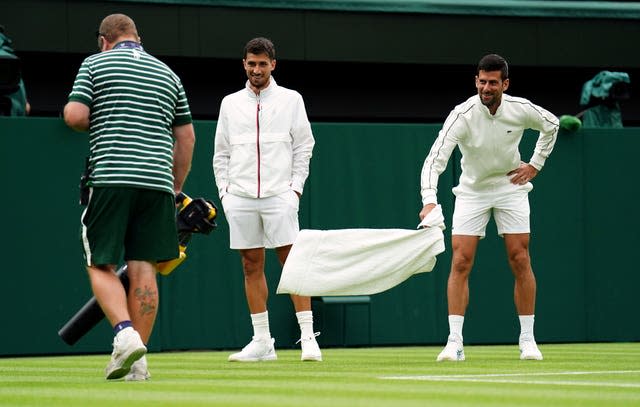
x: 488, y: 143
x: 263, y: 143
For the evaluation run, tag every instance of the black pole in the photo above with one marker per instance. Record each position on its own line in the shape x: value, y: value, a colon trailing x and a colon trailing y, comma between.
x: 89, y: 315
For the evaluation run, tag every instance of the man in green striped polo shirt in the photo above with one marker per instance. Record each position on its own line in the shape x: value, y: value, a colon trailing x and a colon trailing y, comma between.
x: 141, y: 142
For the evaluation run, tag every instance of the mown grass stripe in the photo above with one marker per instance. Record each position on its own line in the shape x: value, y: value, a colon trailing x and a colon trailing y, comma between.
x: 592, y: 375
x: 513, y: 381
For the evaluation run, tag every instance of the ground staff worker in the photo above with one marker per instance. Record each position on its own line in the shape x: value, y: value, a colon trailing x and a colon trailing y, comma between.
x: 141, y: 142
x: 263, y: 145
x: 487, y: 129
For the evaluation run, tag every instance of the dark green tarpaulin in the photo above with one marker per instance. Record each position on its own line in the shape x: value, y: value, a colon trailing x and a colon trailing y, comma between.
x: 513, y: 8
x: 13, y: 97
x: 601, y: 96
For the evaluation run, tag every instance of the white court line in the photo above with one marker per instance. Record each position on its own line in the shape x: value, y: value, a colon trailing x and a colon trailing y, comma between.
x: 494, y: 378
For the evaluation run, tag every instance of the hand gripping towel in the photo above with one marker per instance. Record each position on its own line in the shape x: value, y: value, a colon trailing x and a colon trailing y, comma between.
x: 360, y: 261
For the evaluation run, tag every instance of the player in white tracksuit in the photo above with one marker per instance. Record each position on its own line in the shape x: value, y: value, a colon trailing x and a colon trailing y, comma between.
x: 487, y: 129
x: 263, y: 145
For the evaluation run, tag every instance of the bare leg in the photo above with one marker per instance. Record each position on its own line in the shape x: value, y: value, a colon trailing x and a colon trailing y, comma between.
x: 464, y: 250
x: 299, y: 303
x: 524, y: 292
x: 109, y: 292
x: 255, y: 286
x: 517, y: 246
x: 255, y: 282
x: 310, y: 349
x: 142, y: 298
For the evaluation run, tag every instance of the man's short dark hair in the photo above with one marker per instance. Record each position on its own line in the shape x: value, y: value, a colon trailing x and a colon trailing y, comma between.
x: 260, y: 45
x: 115, y: 26
x: 494, y: 62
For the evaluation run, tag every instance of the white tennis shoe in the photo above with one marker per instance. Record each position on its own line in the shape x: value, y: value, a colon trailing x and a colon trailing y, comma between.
x: 139, y: 371
x: 258, y: 350
x: 310, y: 349
x: 127, y: 348
x: 529, y: 350
x: 453, y: 351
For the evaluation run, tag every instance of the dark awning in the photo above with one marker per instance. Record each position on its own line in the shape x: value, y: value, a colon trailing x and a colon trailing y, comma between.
x: 514, y: 8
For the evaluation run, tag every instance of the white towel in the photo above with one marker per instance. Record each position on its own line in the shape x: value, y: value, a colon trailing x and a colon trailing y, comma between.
x: 434, y: 219
x: 360, y: 261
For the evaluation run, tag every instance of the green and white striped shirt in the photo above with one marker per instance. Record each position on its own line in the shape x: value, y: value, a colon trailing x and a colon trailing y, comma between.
x: 135, y: 100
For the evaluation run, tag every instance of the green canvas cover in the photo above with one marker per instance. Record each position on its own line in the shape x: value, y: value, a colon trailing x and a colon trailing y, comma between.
x: 601, y: 96
x: 13, y: 98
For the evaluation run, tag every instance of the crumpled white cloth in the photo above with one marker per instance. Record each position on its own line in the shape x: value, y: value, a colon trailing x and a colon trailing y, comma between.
x: 360, y: 261
x: 435, y: 219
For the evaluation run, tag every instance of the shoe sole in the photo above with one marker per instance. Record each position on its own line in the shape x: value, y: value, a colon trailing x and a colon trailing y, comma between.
x: 530, y: 356
x: 125, y: 368
x: 449, y: 360
x: 264, y: 359
x: 311, y: 358
x: 136, y: 377
x: 442, y: 358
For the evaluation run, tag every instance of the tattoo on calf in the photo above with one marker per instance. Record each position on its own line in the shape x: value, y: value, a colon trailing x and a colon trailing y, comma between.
x: 148, y: 300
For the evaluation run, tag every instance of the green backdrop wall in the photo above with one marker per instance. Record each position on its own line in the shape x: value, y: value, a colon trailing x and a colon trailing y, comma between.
x: 584, y: 235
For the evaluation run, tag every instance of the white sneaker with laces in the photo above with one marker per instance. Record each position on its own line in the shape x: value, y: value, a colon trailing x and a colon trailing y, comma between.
x: 258, y: 350
x: 310, y: 349
x: 127, y: 348
x: 453, y: 351
x: 139, y: 371
x: 529, y: 350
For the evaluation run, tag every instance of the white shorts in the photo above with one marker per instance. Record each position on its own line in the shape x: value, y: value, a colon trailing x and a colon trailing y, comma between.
x: 510, y: 211
x: 262, y: 222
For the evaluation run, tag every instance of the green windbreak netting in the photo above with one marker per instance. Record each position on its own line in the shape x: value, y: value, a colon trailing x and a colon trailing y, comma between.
x: 514, y: 8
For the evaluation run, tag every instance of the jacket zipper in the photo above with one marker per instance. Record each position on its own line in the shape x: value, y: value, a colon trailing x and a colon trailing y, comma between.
x: 258, y: 142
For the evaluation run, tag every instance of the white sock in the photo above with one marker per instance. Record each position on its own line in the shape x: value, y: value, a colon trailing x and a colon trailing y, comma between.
x: 455, y: 325
x: 305, y: 320
x: 526, y: 327
x: 260, y: 324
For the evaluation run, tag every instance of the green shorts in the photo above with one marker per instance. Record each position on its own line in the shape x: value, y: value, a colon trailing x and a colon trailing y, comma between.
x: 122, y: 223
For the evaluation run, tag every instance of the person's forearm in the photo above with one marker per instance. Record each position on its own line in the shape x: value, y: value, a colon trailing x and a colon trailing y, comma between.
x: 182, y: 154
x: 181, y: 165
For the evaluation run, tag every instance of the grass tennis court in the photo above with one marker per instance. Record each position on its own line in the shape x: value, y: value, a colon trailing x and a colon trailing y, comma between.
x: 601, y: 375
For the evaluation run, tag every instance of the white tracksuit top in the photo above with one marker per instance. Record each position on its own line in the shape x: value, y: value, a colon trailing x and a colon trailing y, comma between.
x: 263, y: 143
x: 488, y: 143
